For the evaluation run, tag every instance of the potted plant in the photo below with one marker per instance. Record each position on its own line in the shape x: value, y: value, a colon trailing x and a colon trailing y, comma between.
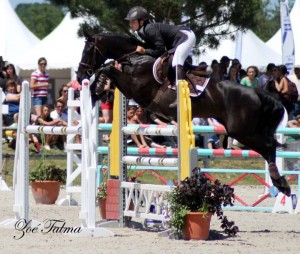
x: 196, y: 199
x: 102, y: 194
x: 45, y: 181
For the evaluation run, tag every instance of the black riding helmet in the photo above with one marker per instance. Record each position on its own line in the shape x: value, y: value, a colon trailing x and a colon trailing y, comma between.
x: 137, y: 12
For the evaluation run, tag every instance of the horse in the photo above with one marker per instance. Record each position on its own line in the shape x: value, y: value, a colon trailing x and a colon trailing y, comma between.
x: 248, y: 115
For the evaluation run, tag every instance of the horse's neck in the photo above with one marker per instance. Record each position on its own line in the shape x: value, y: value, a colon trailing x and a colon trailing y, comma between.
x: 122, y: 81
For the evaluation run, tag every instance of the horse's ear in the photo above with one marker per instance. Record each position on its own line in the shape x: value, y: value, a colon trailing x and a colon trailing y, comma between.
x: 86, y: 34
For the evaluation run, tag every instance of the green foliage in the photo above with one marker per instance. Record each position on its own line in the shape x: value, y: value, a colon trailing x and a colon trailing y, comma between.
x: 208, y: 19
x: 101, y: 193
x: 41, y: 19
x: 50, y: 172
x: 198, y: 194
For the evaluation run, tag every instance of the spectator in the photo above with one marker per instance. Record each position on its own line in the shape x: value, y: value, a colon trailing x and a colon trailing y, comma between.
x: 214, y: 141
x: 233, y: 74
x: 58, y: 114
x: 215, y: 70
x: 224, y: 64
x: 13, y: 101
x: 11, y: 74
x: 154, y: 141
x: 46, y: 120
x: 281, y: 84
x: 107, y: 100
x: 294, y: 123
x: 39, y: 85
x: 63, y: 96
x: 199, y: 139
x: 251, y: 80
x: 266, y: 77
x: 137, y: 139
x: 2, y: 74
x: 296, y: 79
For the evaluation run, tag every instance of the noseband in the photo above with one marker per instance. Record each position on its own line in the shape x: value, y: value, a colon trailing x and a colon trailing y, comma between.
x: 90, y: 67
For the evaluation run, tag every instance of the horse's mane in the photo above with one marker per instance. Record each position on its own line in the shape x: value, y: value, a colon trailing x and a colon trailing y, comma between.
x: 119, y: 37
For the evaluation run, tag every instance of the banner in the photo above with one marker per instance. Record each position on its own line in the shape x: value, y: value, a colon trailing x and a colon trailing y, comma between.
x: 287, y: 38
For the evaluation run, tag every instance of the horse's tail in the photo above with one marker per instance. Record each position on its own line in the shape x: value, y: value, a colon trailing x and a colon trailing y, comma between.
x: 272, y: 112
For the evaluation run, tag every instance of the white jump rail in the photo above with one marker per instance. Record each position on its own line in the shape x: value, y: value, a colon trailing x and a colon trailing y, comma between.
x: 3, y: 110
x: 89, y: 163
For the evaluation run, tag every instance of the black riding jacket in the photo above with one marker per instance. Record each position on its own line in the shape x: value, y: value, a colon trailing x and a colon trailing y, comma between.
x: 161, y: 37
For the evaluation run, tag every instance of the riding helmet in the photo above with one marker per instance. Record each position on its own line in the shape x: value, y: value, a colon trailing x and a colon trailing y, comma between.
x: 137, y: 12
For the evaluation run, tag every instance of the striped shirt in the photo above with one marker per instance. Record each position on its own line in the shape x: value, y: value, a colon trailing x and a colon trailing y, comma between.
x: 40, y: 77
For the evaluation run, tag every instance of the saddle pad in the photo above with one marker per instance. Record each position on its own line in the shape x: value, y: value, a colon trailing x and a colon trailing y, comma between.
x: 200, y: 88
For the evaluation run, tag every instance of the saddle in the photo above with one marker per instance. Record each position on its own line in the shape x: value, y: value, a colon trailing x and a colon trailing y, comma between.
x: 196, y: 76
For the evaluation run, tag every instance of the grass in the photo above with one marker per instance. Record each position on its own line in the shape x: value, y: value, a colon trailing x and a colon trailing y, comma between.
x: 59, y: 158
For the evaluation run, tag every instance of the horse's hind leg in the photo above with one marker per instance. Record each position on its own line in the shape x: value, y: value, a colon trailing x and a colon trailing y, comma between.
x: 266, y: 146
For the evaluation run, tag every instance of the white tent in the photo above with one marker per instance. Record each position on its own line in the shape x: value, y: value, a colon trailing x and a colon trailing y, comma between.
x: 253, y: 51
x: 62, y: 47
x: 275, y: 41
x: 15, y: 37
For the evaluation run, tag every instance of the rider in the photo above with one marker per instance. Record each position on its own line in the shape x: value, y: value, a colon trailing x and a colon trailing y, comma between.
x: 161, y: 37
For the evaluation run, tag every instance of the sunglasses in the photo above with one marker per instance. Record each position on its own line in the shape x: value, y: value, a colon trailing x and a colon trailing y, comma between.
x: 65, y: 91
x: 43, y: 64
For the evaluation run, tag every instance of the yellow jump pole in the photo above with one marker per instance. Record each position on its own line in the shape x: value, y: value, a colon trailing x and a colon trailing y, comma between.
x: 187, y: 154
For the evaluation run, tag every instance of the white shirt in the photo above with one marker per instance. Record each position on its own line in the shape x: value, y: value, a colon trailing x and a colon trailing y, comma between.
x: 55, y: 115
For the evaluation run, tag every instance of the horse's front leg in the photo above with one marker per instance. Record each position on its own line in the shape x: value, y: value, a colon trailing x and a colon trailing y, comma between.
x: 279, y: 181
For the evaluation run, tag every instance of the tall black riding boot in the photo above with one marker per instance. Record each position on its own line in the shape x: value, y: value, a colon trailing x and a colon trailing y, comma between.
x: 180, y: 76
x: 180, y: 72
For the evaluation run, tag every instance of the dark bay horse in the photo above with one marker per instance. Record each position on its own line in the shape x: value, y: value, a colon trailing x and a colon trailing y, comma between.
x: 250, y: 116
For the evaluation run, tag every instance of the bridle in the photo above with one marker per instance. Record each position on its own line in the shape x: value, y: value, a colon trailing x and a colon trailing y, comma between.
x: 90, y: 67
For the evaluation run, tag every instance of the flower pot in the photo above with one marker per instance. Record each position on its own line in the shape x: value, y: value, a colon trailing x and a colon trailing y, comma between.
x: 102, y: 207
x: 45, y: 192
x: 197, y: 226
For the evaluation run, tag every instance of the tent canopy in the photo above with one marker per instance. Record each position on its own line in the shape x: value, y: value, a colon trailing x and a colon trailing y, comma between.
x: 253, y: 51
x: 62, y: 47
x: 15, y: 37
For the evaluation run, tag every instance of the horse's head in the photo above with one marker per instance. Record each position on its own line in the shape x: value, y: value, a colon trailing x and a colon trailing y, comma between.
x: 92, y: 58
x: 100, y: 47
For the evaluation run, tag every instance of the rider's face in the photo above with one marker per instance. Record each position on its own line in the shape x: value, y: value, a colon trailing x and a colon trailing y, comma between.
x: 134, y: 25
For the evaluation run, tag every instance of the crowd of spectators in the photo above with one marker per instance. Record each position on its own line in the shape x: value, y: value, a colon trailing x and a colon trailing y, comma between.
x: 274, y: 77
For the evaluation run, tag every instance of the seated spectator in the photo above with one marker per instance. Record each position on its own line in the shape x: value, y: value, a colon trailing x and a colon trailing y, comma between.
x: 199, y: 139
x: 13, y: 101
x: 58, y: 114
x: 46, y: 120
x: 154, y: 141
x: 215, y: 140
x: 11, y: 74
x: 2, y: 74
x: 294, y: 123
x: 63, y: 96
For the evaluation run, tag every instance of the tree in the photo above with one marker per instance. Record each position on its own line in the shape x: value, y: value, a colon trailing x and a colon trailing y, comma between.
x: 208, y: 19
x: 41, y: 19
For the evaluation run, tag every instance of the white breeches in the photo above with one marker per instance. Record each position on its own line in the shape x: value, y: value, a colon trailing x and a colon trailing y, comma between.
x: 183, y: 50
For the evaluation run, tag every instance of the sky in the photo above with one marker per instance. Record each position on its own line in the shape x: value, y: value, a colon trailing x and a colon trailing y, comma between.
x: 14, y: 3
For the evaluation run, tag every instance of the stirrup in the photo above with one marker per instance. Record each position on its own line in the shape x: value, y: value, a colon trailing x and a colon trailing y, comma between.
x: 173, y: 105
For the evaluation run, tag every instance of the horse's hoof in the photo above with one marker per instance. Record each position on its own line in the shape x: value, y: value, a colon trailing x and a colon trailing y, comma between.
x: 282, y: 185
